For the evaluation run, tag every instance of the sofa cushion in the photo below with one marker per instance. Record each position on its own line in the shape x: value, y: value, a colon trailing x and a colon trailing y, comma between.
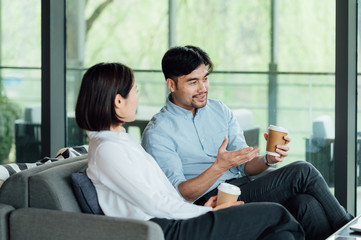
x: 85, y: 193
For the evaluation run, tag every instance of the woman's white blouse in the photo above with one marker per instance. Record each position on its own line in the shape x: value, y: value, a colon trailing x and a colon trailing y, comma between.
x: 129, y: 182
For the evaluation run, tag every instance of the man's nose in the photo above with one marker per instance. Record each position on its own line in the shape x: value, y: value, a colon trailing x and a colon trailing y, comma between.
x: 201, y: 86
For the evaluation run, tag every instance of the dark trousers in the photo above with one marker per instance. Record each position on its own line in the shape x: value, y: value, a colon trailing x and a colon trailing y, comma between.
x: 302, y: 190
x: 250, y: 221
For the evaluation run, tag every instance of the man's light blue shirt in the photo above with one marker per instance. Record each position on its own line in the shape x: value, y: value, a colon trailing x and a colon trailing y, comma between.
x: 185, y: 145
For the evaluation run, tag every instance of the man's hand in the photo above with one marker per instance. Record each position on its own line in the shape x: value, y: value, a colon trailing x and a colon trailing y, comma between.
x: 229, y: 159
x: 195, y: 187
x: 212, y: 202
x: 280, y: 149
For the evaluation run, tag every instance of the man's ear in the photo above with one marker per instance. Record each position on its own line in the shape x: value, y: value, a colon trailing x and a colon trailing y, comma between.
x: 171, y: 84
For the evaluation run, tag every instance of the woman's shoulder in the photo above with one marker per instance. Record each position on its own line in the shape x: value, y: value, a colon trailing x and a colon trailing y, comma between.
x: 105, y: 141
x: 107, y: 136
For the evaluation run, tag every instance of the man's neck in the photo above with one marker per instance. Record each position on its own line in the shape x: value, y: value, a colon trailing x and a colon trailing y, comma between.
x: 194, y: 110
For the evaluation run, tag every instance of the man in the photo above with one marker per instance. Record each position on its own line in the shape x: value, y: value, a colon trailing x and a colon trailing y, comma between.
x: 198, y: 144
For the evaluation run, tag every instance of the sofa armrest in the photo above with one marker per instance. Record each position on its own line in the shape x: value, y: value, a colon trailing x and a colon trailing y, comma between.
x: 52, y: 188
x: 4, y: 220
x: 34, y: 224
x: 15, y: 190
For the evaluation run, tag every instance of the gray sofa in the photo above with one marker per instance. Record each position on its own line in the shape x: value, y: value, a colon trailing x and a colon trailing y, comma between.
x: 39, y: 203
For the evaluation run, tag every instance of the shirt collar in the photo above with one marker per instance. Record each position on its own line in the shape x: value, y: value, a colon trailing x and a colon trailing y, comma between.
x: 179, y: 110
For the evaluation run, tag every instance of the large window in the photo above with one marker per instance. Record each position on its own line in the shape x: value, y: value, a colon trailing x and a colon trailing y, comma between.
x: 274, y: 64
x: 298, y: 58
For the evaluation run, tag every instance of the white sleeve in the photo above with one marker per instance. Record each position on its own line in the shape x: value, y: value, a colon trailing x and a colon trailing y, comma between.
x: 141, y: 182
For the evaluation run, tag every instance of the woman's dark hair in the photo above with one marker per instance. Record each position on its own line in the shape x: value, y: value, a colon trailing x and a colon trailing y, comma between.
x: 94, y: 109
x: 179, y: 61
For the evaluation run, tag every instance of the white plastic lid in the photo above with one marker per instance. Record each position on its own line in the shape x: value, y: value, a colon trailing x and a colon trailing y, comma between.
x: 277, y: 128
x: 229, y: 188
x: 273, y: 154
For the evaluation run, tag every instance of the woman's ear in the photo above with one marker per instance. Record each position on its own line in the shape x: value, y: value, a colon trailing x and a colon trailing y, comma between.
x: 118, y: 101
x: 171, y: 84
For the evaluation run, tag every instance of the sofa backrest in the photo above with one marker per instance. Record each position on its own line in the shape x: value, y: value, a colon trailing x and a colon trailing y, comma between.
x: 15, y: 190
x: 52, y: 188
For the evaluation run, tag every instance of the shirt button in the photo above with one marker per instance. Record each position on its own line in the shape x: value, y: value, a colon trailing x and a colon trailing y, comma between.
x: 202, y: 140
x: 185, y: 117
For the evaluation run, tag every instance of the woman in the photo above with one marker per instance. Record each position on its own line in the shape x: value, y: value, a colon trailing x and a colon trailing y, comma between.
x: 130, y: 184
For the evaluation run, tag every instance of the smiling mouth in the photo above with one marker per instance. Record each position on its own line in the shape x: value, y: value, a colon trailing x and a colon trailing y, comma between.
x: 201, y: 97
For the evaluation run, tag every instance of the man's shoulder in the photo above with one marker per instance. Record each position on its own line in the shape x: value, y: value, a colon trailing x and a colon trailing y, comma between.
x: 159, y: 129
x: 160, y: 118
x: 159, y: 122
x: 215, y: 102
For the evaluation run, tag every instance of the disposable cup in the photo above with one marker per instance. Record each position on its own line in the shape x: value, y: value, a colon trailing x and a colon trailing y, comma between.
x: 227, y: 193
x: 275, y: 137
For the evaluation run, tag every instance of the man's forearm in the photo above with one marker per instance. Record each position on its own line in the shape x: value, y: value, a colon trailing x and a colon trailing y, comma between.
x: 196, y: 187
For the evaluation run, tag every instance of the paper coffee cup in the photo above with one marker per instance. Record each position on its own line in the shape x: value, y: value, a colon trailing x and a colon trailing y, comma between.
x: 275, y: 137
x: 227, y: 193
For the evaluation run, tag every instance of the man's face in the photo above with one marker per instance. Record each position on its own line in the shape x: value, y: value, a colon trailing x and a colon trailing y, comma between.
x: 191, y: 90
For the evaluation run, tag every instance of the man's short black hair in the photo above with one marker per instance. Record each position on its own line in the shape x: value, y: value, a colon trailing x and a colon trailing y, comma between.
x: 179, y: 61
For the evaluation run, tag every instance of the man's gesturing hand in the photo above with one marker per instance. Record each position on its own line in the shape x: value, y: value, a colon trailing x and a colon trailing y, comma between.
x: 229, y: 159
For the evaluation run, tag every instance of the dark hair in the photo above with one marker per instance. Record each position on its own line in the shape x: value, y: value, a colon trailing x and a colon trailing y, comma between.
x: 179, y: 61
x: 101, y: 83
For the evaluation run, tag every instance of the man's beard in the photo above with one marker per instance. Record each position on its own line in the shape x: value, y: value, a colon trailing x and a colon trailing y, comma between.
x: 197, y: 104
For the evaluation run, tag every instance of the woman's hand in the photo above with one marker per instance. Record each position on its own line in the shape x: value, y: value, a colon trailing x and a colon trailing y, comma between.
x: 212, y: 202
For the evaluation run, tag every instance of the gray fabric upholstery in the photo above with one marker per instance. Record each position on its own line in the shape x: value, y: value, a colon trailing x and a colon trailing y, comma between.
x: 39, y: 193
x: 35, y: 224
x: 15, y: 192
x: 4, y: 220
x: 52, y: 188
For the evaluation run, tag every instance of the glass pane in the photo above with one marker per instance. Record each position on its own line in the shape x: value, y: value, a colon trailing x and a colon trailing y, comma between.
x: 306, y: 36
x: 131, y: 32
x: 234, y: 33
x: 21, y: 33
x: 20, y: 85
